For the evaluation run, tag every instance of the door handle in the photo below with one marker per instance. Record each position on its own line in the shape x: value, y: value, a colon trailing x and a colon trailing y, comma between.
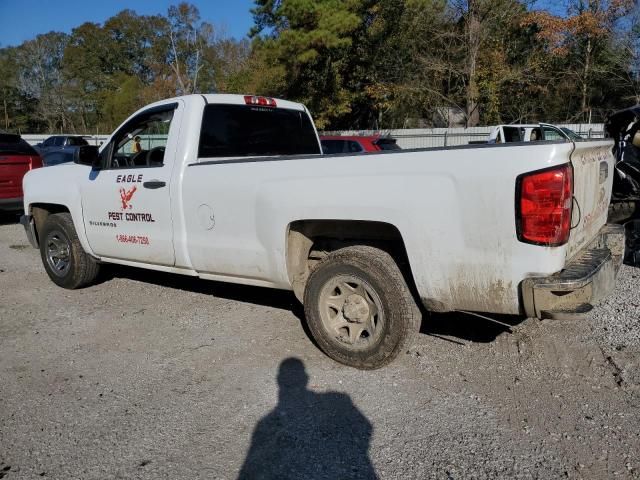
x: 153, y: 184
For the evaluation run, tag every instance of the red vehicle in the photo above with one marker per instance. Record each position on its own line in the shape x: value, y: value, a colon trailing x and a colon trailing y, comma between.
x: 17, y: 157
x: 355, y: 144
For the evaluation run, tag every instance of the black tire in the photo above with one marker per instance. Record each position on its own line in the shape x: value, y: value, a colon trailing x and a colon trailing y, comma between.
x: 72, y: 268
x: 381, y: 284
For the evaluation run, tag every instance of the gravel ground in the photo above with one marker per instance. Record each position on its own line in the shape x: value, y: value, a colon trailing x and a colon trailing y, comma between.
x: 156, y: 376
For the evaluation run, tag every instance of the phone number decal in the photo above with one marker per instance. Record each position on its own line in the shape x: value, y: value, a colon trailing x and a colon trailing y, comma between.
x: 135, y: 239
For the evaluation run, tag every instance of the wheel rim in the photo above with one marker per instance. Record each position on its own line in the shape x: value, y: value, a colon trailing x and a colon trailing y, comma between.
x: 351, y: 311
x: 58, y: 253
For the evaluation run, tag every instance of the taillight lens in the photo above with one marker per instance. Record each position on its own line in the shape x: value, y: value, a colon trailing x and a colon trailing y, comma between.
x: 544, y: 206
x: 260, y: 101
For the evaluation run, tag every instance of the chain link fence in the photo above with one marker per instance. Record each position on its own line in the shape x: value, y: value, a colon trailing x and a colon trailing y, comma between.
x: 406, y: 138
x: 444, y: 137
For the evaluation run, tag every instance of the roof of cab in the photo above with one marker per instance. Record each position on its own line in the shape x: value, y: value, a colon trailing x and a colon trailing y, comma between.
x: 224, y: 98
x: 239, y: 100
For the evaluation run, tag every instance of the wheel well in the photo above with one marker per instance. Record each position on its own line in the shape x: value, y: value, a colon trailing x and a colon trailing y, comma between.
x: 309, y: 241
x: 40, y: 212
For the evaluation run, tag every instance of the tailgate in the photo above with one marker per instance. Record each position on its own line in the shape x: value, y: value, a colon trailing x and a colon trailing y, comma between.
x: 12, y: 169
x: 593, y: 179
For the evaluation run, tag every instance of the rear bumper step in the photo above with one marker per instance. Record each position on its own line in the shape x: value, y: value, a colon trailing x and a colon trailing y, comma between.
x: 587, y: 279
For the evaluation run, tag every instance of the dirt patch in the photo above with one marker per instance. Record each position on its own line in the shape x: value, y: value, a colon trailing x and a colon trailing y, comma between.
x: 150, y: 375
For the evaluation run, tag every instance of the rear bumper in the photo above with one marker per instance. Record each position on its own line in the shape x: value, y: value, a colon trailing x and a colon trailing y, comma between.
x: 587, y: 279
x: 30, y: 229
x: 11, y: 204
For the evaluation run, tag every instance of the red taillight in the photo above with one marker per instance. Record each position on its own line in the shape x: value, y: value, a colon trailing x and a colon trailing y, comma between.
x: 544, y: 206
x: 259, y: 101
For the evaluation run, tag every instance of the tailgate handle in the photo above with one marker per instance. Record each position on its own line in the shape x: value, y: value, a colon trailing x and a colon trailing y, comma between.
x: 153, y: 184
x: 604, y: 171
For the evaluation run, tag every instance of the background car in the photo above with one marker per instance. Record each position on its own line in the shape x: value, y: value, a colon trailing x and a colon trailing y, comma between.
x: 355, y: 143
x: 17, y: 157
x: 56, y: 157
x: 57, y: 142
x: 536, y: 132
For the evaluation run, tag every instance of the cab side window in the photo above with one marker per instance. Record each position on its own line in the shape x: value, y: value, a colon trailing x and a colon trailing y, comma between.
x: 141, y: 142
x: 536, y: 135
x: 512, y: 134
x: 333, y: 146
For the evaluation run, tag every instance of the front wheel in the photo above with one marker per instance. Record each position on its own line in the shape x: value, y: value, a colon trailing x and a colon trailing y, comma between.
x: 359, y: 308
x: 63, y: 257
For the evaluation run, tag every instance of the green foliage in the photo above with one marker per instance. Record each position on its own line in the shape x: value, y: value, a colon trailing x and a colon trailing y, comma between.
x: 302, y: 52
x: 96, y: 76
x: 123, y: 100
x: 17, y: 108
x: 355, y: 63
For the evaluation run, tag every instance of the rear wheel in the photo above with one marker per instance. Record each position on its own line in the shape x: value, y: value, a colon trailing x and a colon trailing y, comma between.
x: 359, y: 308
x: 63, y: 257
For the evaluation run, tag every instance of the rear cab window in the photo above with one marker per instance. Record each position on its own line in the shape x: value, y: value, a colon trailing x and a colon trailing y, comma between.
x: 254, y: 131
x: 512, y: 134
x: 334, y: 146
x: 535, y: 135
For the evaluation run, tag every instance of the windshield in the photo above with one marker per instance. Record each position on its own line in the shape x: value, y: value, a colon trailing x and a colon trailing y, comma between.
x: 246, y: 131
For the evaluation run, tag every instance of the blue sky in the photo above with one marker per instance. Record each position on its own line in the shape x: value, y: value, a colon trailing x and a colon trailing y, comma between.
x: 22, y: 20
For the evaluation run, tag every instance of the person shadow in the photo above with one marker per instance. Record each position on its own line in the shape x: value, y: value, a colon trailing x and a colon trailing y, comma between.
x: 309, y: 435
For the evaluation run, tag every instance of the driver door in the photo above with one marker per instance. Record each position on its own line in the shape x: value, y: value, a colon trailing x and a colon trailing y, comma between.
x: 126, y: 204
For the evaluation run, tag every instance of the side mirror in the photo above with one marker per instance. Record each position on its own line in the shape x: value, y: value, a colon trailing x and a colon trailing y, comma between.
x: 87, y: 155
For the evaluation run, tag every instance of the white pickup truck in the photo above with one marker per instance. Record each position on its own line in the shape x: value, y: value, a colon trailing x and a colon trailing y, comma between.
x: 235, y: 189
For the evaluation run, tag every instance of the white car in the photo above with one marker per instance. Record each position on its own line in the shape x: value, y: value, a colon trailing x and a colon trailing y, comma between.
x: 531, y: 133
x: 235, y: 188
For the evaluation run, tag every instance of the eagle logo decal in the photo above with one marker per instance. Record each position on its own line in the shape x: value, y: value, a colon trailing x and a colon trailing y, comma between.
x: 125, y: 197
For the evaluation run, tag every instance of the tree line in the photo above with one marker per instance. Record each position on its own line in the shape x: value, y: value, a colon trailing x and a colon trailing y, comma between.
x: 356, y: 64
